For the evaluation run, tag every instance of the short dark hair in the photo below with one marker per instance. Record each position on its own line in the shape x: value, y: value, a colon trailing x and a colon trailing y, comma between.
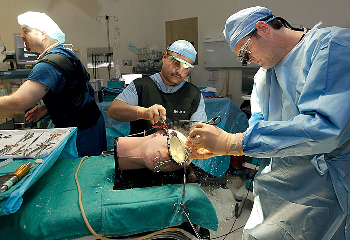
x: 254, y: 34
x: 276, y: 24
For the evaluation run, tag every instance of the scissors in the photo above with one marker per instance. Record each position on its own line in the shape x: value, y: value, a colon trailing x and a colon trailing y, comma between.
x: 214, y: 121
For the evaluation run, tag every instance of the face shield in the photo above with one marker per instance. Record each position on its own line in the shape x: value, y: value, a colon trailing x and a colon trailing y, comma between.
x: 179, y: 63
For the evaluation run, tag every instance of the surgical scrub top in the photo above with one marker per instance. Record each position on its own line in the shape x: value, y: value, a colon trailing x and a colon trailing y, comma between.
x: 302, y: 188
x: 52, y: 77
x: 129, y: 95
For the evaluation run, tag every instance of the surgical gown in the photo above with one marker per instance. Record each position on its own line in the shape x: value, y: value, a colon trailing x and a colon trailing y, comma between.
x: 303, y: 135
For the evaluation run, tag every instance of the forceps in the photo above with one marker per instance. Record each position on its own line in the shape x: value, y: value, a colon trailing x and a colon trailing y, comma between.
x: 213, y: 121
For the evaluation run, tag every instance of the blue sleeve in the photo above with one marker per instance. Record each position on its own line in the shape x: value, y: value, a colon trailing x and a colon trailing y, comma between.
x: 256, y: 114
x: 322, y: 124
x: 255, y: 117
x: 47, y: 74
x: 129, y: 95
x: 200, y: 114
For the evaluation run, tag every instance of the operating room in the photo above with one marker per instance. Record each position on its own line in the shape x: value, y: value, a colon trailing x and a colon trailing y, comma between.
x: 69, y: 195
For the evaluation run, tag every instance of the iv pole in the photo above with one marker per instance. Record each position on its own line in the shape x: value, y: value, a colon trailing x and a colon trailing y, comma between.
x: 109, y: 56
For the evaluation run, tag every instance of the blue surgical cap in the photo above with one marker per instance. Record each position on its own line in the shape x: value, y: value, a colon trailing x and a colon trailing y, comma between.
x: 244, y: 22
x: 184, y: 48
x: 42, y: 22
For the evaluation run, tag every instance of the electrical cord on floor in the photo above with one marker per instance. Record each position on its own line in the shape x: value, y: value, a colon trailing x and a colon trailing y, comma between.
x: 232, y: 231
x: 100, y: 236
x: 229, y: 232
x: 234, y: 222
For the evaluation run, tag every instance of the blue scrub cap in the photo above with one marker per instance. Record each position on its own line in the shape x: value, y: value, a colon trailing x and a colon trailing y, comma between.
x: 184, y: 48
x: 42, y: 22
x: 243, y: 22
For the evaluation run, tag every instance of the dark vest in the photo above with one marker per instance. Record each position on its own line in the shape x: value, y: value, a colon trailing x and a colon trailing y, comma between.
x: 180, y: 105
x: 65, y: 108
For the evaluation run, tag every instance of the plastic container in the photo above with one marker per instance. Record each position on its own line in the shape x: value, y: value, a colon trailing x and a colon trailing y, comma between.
x: 3, y: 90
x: 115, y: 84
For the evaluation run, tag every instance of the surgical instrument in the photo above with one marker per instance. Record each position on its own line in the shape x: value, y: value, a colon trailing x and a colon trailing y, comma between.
x: 213, y: 121
x: 36, y: 139
x: 16, y: 176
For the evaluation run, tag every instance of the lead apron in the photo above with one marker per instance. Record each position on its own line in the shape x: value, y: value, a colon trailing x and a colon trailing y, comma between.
x: 310, y: 200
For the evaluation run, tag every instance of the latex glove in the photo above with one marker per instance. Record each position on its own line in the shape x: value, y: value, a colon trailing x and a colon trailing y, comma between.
x: 200, y: 153
x: 36, y: 113
x: 154, y: 113
x: 215, y: 141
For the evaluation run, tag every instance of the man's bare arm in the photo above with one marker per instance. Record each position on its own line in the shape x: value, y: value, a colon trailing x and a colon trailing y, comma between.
x: 29, y: 93
x: 122, y: 111
x: 125, y: 112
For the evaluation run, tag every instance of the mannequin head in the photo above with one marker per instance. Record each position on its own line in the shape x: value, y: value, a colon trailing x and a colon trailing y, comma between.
x: 155, y: 152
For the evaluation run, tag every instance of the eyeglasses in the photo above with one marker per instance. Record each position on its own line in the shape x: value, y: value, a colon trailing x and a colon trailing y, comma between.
x: 244, y: 53
x: 179, y: 63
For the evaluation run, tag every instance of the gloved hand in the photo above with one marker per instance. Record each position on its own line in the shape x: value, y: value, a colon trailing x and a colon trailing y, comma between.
x: 215, y: 141
x: 199, y: 153
x: 154, y: 113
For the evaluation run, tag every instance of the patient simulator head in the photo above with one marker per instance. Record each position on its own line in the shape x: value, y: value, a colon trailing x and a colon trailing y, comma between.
x: 157, y: 152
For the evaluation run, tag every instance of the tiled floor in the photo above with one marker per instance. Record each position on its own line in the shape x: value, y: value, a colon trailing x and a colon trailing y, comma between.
x: 221, y: 193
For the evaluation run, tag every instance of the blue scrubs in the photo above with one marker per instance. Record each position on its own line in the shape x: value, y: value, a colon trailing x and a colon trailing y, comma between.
x: 301, y: 127
x: 129, y: 95
x: 91, y: 141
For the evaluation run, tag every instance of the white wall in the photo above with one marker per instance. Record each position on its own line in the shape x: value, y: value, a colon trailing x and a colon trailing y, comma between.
x: 212, y: 16
x: 142, y: 22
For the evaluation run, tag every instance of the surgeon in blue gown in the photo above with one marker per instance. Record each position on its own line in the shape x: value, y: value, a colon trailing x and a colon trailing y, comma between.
x: 300, y: 126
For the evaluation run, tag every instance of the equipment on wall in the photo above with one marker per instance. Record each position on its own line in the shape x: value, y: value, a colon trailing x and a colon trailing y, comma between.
x: 109, y: 55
